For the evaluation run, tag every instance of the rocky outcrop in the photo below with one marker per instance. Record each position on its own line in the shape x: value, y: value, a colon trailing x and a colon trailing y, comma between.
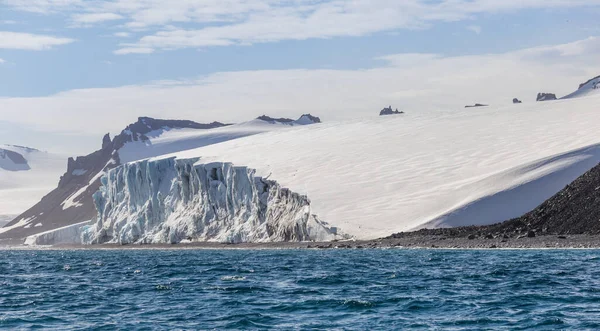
x: 590, y: 87
x: 476, y: 105
x: 12, y: 161
x: 594, y: 82
x: 71, y: 202
x: 545, y: 97
x: 171, y: 200
x: 302, y: 120
x: 389, y: 111
x: 515, y: 101
x: 274, y: 120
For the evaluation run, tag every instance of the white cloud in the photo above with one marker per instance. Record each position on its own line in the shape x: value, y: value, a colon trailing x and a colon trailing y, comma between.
x: 266, y: 22
x: 227, y: 22
x: 28, y: 41
x: 475, y: 28
x: 44, y: 6
x: 412, y: 82
x: 2, y: 61
x: 95, y: 18
x: 134, y: 50
x: 122, y: 34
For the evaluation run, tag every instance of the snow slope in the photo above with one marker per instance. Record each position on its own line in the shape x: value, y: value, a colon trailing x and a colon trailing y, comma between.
x: 166, y: 141
x: 590, y: 87
x: 26, y: 175
x: 374, y: 177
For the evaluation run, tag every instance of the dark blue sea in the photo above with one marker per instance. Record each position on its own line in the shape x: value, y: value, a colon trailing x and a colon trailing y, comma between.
x: 300, y: 289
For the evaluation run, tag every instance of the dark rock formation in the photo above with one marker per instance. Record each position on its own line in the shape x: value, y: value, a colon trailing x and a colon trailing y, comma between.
x: 546, y: 96
x: 106, y: 142
x: 304, y: 119
x: 595, y: 85
x: 389, y: 111
x: 476, y: 105
x: 311, y: 118
x: 515, y: 100
x: 16, y: 161
x: 274, y: 120
x: 78, y: 188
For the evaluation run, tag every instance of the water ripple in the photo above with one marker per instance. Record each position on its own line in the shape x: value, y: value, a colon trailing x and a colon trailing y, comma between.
x: 300, y: 289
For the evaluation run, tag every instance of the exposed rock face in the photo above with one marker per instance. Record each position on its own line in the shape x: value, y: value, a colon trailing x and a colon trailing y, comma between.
x: 274, y: 120
x: 476, y: 105
x: 590, y: 87
x: 546, y: 96
x: 12, y: 161
x: 574, y: 210
x: 71, y: 202
x: 389, y: 111
x: 303, y: 120
x: 106, y: 142
x: 170, y: 200
x: 595, y: 82
x: 515, y: 100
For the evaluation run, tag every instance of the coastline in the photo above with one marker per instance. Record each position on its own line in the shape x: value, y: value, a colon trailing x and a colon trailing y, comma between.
x: 408, y: 241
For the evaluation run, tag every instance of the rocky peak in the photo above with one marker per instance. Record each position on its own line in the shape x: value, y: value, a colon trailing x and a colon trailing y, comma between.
x: 308, y: 119
x: 13, y: 161
x: 515, y: 100
x: 594, y: 82
x: 137, y: 131
x: 302, y: 120
x: 546, y: 97
x: 390, y: 111
x: 275, y: 120
x: 106, y: 142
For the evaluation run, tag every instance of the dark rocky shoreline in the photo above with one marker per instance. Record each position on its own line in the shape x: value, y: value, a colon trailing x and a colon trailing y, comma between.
x: 414, y: 240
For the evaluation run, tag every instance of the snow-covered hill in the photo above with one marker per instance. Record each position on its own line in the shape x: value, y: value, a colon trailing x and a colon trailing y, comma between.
x: 71, y: 202
x: 591, y: 87
x: 371, y: 178
x: 365, y: 178
x: 26, y: 175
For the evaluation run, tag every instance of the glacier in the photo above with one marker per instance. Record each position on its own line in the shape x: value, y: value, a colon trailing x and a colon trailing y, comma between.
x: 173, y: 200
x: 70, y: 234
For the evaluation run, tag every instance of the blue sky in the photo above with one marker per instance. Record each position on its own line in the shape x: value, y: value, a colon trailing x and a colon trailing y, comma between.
x: 120, y: 51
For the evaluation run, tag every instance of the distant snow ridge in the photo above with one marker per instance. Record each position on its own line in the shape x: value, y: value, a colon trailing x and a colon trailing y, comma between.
x: 590, y: 87
x: 169, y: 200
x: 305, y: 119
x: 12, y: 160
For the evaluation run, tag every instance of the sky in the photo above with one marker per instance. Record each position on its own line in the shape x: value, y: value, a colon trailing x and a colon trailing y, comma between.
x: 72, y: 70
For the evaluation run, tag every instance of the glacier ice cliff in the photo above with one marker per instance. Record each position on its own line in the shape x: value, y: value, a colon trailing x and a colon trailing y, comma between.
x: 66, y: 235
x: 171, y: 200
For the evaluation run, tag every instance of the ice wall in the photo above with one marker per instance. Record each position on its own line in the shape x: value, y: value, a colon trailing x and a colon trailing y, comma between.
x: 66, y: 235
x: 170, y: 200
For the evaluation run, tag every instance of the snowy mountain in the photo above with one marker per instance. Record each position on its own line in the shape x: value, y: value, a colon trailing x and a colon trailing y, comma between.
x: 71, y: 202
x: 363, y: 178
x: 26, y: 174
x: 590, y: 87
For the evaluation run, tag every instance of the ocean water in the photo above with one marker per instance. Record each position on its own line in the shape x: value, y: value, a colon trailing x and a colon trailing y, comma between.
x: 300, y: 289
